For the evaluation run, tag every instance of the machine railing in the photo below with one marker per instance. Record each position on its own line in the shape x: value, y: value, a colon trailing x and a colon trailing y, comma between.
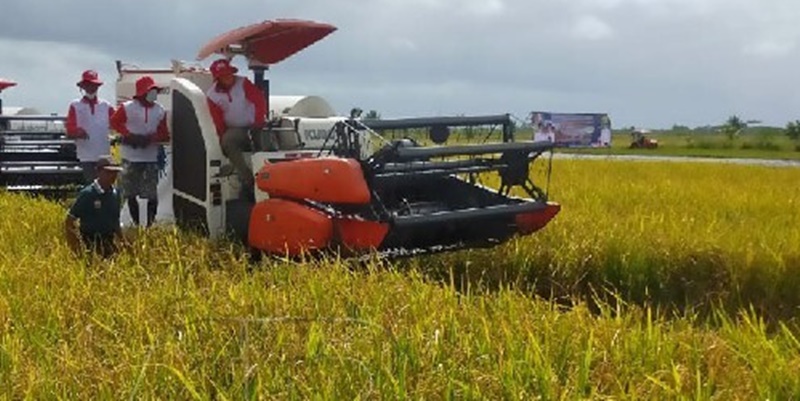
x: 402, y: 161
x: 36, y: 156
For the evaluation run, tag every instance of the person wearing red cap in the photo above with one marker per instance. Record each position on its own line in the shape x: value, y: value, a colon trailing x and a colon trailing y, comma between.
x: 88, y: 124
x: 237, y: 106
x: 142, y: 124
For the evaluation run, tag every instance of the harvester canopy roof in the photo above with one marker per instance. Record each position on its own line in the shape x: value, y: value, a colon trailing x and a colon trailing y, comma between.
x: 5, y: 84
x: 268, y: 42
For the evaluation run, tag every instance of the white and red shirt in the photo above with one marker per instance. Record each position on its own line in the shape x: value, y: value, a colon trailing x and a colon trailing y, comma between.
x: 240, y: 106
x: 91, y: 115
x: 136, y: 117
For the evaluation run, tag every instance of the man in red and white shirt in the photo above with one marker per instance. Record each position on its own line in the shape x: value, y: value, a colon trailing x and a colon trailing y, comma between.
x: 142, y: 123
x: 237, y: 106
x: 88, y: 124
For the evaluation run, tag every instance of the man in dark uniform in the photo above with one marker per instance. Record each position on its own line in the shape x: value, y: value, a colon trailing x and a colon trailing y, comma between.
x: 97, y: 208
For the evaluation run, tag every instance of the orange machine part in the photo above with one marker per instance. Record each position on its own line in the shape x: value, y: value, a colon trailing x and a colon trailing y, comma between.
x: 531, y: 222
x: 288, y: 228
x: 329, y: 180
x: 358, y: 234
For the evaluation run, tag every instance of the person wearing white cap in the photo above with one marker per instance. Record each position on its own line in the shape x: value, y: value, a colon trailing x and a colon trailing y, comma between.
x: 88, y: 124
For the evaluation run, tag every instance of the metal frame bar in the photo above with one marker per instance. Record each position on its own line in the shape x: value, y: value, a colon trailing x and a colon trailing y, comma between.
x: 415, y: 153
x: 468, y: 214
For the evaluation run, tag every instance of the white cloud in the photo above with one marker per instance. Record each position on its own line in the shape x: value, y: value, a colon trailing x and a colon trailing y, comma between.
x: 46, y: 73
x: 769, y: 48
x: 485, y: 7
x: 590, y: 27
x: 403, y: 44
x: 705, y: 59
x: 606, y: 4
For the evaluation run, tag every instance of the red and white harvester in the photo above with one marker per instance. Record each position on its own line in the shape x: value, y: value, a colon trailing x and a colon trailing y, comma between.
x: 330, y: 182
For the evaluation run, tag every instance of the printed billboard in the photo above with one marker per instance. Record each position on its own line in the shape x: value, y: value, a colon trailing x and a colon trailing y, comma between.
x: 572, y: 129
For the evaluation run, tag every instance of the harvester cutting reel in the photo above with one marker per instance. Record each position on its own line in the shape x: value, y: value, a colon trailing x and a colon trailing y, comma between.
x: 408, y: 156
x: 406, y: 199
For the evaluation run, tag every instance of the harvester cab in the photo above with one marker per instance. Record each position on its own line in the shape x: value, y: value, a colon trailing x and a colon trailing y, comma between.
x: 325, y: 182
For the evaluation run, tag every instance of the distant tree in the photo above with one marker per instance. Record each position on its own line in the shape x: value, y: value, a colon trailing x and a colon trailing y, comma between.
x: 793, y: 130
x: 372, y: 115
x: 733, y: 127
x: 679, y: 127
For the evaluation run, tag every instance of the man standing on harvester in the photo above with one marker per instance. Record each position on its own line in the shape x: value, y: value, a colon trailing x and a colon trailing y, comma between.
x: 237, y: 106
x: 142, y: 123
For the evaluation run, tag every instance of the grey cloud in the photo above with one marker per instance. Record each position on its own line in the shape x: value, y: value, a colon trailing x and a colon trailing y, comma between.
x: 659, y: 61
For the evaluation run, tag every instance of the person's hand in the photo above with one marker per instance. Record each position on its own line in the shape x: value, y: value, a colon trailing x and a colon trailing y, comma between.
x: 124, y: 244
x: 256, y: 127
x: 74, y: 245
x: 137, y: 141
x: 124, y: 240
x: 81, y: 133
x: 72, y: 236
x: 129, y: 140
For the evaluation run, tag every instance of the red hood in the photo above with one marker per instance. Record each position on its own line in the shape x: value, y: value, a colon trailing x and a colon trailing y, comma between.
x: 269, y: 42
x: 5, y: 84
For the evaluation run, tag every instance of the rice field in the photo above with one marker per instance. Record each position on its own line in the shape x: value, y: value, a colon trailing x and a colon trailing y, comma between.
x: 656, y: 281
x: 682, y: 234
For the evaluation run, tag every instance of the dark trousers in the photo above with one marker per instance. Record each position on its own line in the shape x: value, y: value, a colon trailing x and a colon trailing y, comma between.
x: 234, y: 142
x: 99, y: 243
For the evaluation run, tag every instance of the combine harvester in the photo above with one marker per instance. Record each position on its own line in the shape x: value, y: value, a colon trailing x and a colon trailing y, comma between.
x: 640, y: 140
x: 332, y: 182
x: 35, y: 154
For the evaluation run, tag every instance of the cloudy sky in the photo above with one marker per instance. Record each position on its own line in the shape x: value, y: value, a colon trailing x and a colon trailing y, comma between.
x: 650, y: 63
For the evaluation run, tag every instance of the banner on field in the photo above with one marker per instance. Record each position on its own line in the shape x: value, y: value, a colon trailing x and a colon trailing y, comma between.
x: 572, y: 129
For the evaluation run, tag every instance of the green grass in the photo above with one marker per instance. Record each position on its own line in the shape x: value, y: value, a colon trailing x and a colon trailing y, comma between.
x: 756, y: 143
x: 640, y: 289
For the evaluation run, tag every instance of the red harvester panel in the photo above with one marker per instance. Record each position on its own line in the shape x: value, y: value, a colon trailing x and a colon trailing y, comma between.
x: 357, y: 234
x: 328, y: 180
x: 285, y: 227
x: 531, y: 222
